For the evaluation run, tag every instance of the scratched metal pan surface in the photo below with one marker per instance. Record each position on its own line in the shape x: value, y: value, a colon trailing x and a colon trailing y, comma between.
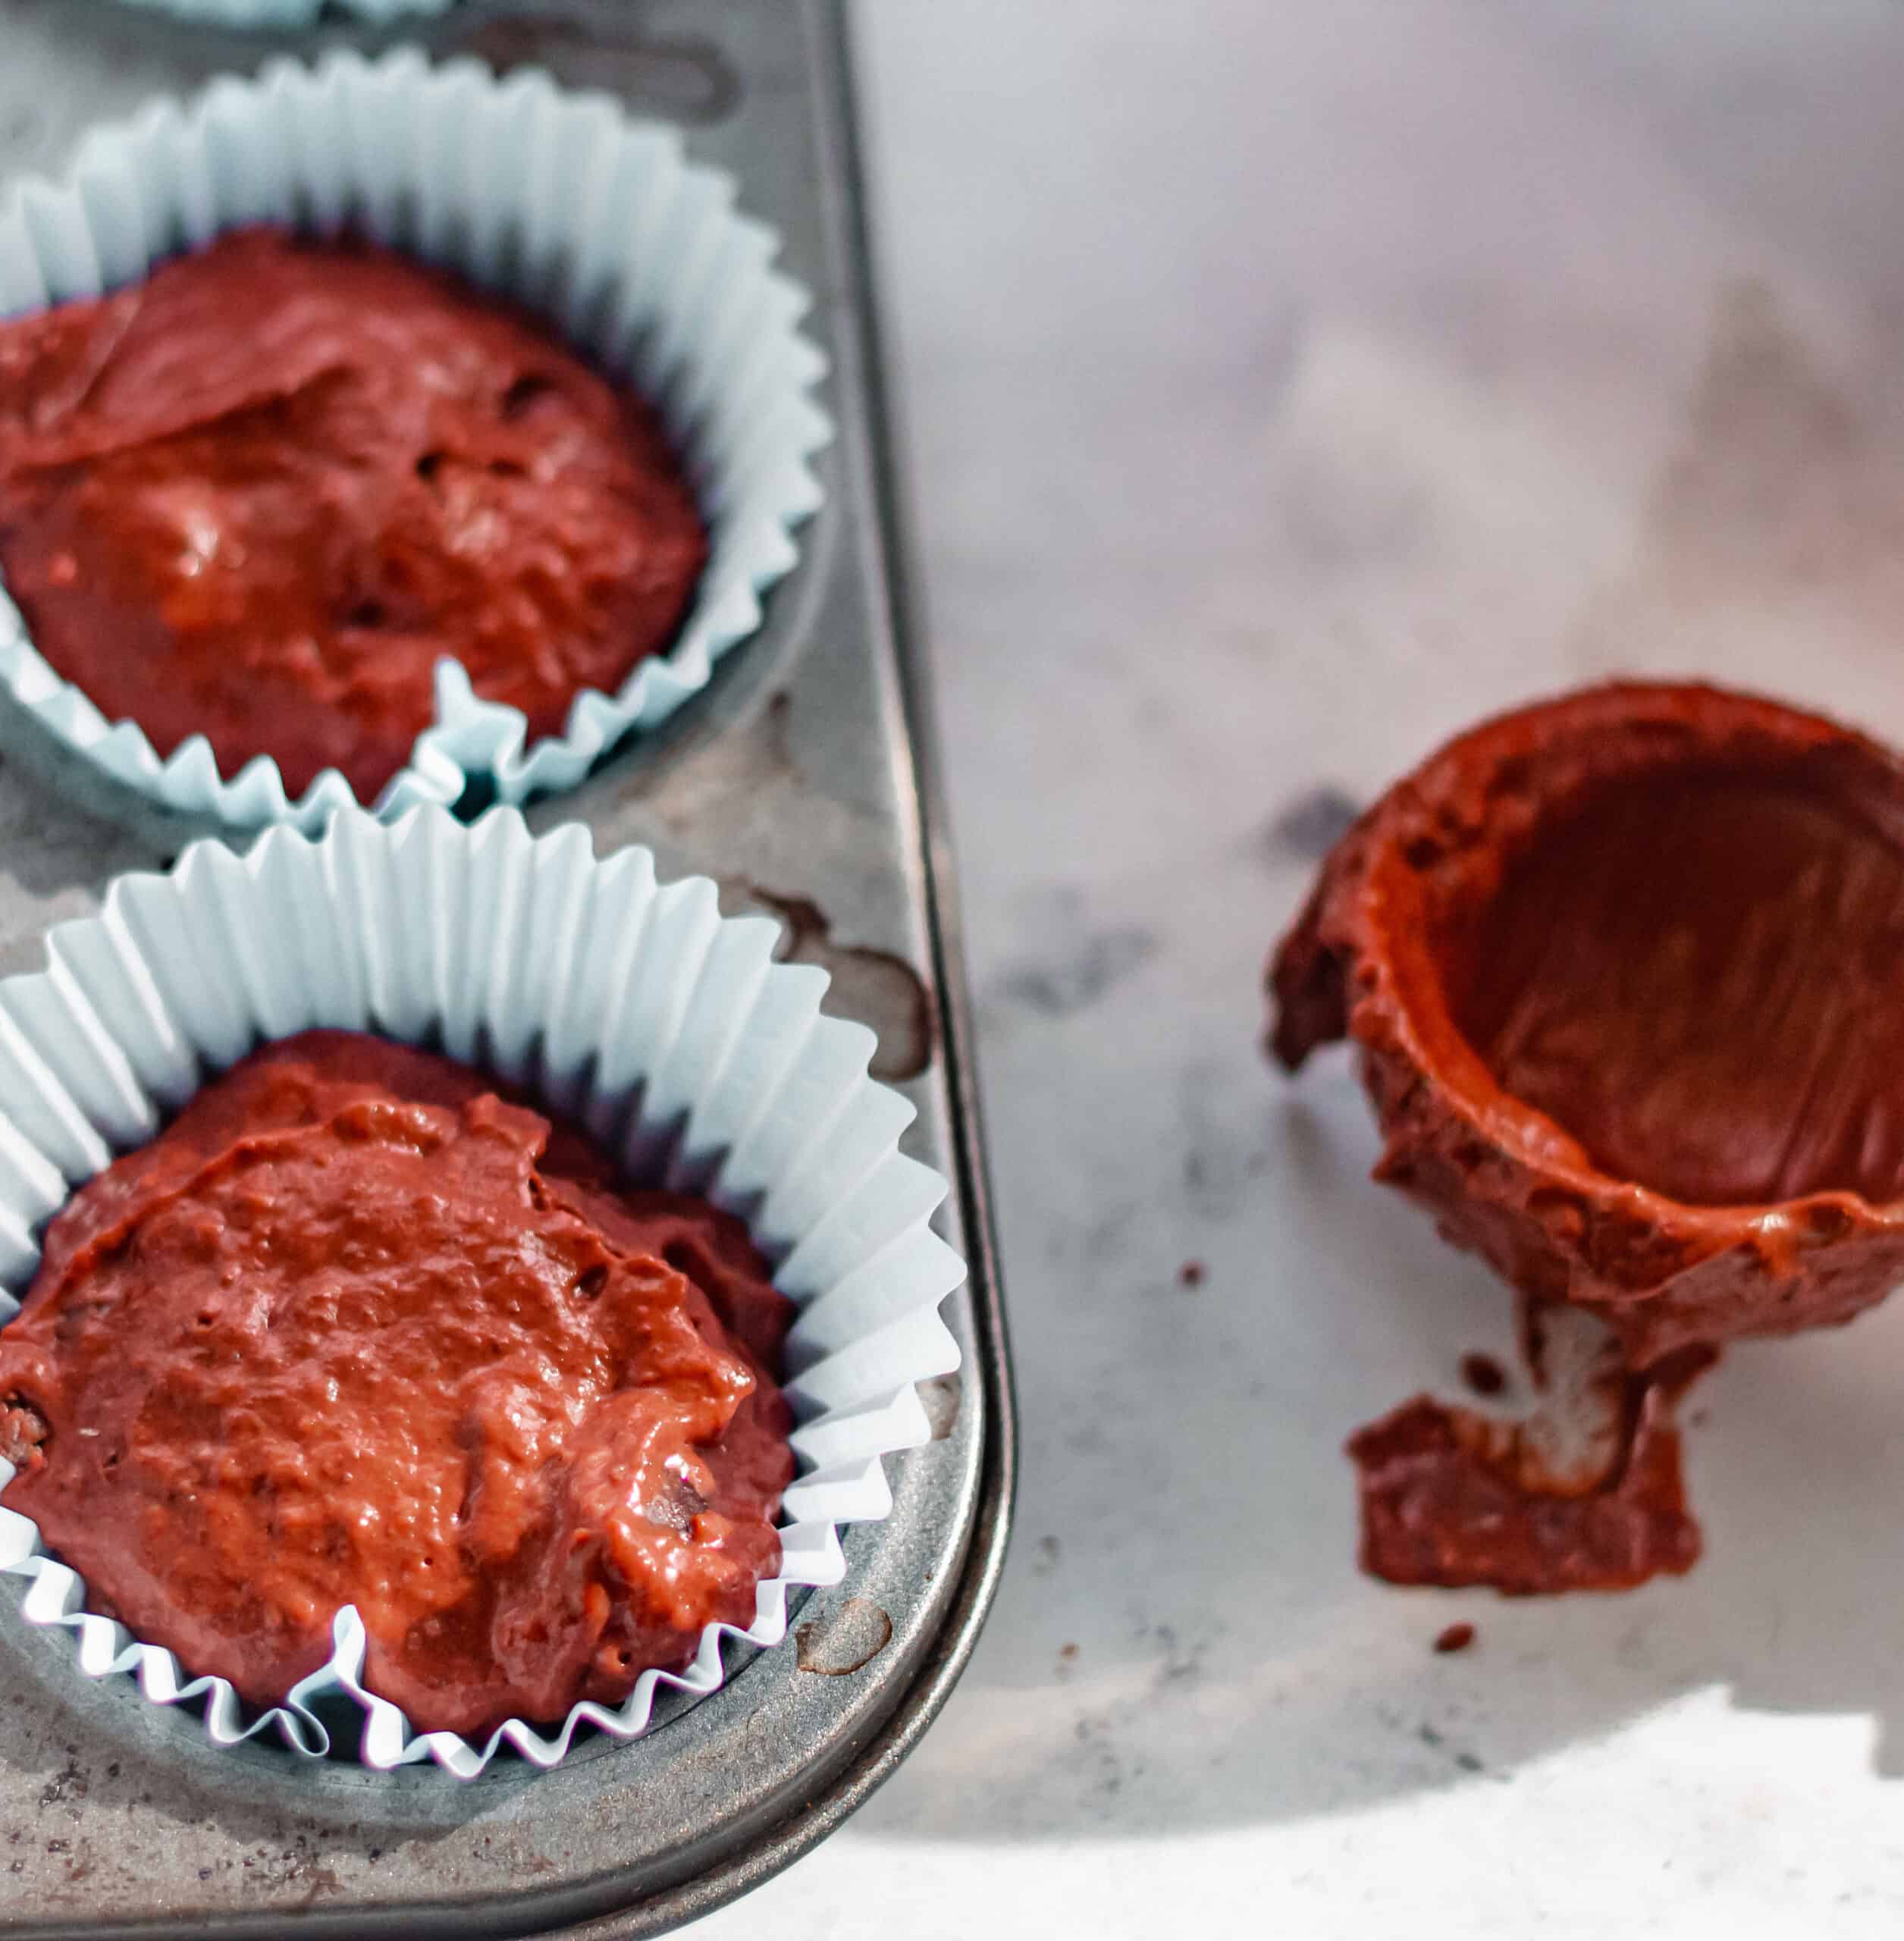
x: 804, y: 779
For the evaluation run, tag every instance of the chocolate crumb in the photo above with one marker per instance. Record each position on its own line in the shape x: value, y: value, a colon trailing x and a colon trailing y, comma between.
x: 22, y: 1432
x: 1191, y: 1273
x: 1456, y: 1638
x: 1483, y: 1374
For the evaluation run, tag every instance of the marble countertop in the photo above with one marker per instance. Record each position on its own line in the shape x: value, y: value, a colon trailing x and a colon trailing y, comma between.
x: 1287, y: 384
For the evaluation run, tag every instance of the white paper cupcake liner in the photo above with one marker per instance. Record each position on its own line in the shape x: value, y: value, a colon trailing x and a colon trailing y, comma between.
x: 283, y: 14
x: 666, y: 1028
x: 559, y: 200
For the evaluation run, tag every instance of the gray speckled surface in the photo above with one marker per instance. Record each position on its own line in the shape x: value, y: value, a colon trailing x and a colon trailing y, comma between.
x: 1288, y: 383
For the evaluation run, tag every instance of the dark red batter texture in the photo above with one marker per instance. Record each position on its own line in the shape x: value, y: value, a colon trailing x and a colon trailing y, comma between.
x: 260, y: 494
x: 1626, y: 970
x: 1453, y: 1498
x: 355, y: 1330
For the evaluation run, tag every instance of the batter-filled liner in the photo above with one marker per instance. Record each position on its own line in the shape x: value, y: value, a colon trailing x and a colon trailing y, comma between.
x: 632, y: 1009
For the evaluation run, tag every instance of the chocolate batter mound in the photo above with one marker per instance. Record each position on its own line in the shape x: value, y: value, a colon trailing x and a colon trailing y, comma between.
x: 260, y: 494
x: 355, y: 1329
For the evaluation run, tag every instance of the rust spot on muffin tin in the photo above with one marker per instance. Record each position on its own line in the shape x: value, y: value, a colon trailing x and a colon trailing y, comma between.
x: 876, y: 987
x: 844, y: 1640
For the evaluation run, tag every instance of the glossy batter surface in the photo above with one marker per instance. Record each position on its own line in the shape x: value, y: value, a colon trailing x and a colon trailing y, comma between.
x: 1700, y: 976
x: 355, y: 1329
x: 260, y: 494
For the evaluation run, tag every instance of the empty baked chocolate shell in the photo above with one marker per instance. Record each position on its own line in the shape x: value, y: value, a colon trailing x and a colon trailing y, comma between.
x: 1626, y: 972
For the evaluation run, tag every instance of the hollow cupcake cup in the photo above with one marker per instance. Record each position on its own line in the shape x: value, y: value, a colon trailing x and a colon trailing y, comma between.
x: 633, y: 1008
x: 556, y: 202
x: 1626, y: 973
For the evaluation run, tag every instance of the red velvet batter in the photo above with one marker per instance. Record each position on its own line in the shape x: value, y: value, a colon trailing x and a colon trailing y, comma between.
x: 355, y: 1329
x: 260, y: 494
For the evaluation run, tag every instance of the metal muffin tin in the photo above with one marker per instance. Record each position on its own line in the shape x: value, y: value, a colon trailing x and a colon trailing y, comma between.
x: 805, y: 780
